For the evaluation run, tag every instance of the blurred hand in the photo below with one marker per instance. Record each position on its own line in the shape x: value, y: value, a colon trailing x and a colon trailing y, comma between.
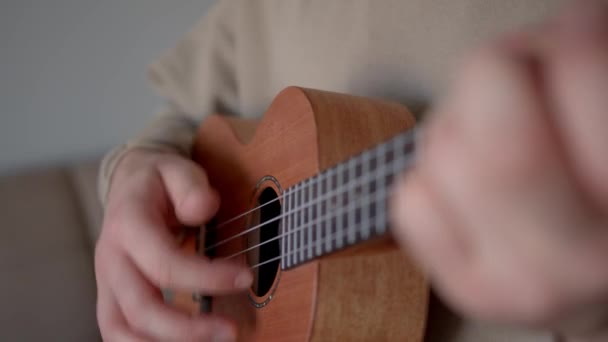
x: 151, y: 195
x: 507, y: 207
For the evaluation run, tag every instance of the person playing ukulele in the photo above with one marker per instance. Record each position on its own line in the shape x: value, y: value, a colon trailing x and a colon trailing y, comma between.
x: 506, y: 208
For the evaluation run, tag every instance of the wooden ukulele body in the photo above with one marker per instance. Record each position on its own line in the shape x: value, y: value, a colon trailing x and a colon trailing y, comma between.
x: 367, y: 293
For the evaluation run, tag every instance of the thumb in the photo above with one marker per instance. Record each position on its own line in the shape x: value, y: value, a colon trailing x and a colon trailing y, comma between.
x: 192, y: 197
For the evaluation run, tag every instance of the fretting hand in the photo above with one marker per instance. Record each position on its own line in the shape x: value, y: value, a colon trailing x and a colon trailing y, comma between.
x: 507, y: 207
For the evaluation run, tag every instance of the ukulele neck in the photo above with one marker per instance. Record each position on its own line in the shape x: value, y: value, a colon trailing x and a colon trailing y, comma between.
x: 344, y: 205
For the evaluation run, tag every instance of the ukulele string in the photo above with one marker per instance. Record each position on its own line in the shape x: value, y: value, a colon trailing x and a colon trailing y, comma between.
x: 350, y: 207
x: 372, y: 197
x: 308, y: 182
x: 330, y: 238
x: 366, y: 179
x: 403, y: 139
x: 409, y: 160
x: 244, y: 214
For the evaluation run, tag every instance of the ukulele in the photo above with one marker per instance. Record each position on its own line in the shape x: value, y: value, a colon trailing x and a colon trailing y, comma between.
x: 304, y: 197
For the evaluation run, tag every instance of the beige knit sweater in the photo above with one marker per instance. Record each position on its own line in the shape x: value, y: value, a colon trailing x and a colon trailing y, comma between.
x: 238, y: 57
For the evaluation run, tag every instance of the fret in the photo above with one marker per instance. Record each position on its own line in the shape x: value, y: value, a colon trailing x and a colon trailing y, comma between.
x: 365, y: 210
x: 310, y: 217
x: 344, y: 192
x: 339, y: 221
x: 406, y: 154
x: 304, y: 224
x: 318, y: 213
x: 295, y: 223
x: 293, y: 213
x: 324, y: 209
x: 283, y: 230
x: 299, y: 222
x: 380, y: 185
x: 390, y: 162
x: 359, y: 194
x: 398, y: 161
x: 292, y: 224
x: 400, y: 147
x: 350, y: 222
x: 300, y: 232
x: 329, y: 207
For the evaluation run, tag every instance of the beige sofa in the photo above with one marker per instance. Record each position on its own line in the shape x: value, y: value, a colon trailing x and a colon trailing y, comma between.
x: 50, y: 218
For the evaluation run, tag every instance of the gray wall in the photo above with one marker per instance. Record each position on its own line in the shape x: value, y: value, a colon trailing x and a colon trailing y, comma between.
x: 72, y: 73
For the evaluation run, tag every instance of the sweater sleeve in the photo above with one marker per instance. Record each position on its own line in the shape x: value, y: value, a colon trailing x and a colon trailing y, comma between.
x: 196, y: 77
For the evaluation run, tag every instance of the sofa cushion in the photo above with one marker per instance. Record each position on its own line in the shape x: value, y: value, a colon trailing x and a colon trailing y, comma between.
x: 48, y: 286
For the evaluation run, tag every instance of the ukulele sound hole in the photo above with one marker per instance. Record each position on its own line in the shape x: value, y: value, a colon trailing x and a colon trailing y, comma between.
x: 264, y: 243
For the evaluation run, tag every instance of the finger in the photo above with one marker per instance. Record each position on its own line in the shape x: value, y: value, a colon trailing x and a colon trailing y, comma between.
x: 194, y: 200
x: 112, y: 323
x: 503, y: 163
x: 149, y: 243
x: 577, y: 77
x: 492, y: 158
x: 444, y: 247
x: 422, y: 226
x: 147, y: 314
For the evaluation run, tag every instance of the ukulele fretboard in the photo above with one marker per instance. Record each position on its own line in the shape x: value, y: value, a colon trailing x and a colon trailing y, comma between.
x: 343, y: 205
